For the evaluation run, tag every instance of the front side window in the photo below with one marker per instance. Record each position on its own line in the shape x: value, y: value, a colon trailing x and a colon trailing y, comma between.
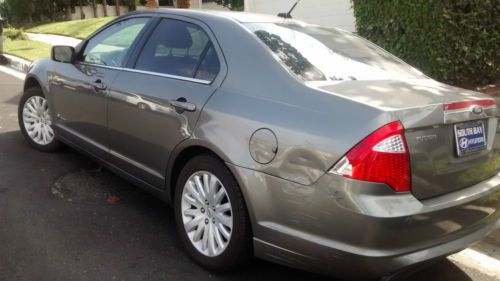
x: 111, y: 46
x: 179, y: 48
x: 315, y: 53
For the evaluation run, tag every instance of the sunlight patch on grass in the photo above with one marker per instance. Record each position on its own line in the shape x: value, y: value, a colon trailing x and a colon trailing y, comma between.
x: 27, y: 49
x: 78, y: 28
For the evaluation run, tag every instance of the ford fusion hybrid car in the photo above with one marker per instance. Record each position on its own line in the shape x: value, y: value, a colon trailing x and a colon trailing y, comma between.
x: 300, y: 144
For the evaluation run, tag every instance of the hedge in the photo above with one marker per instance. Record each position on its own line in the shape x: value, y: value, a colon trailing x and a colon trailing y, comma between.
x: 454, y: 41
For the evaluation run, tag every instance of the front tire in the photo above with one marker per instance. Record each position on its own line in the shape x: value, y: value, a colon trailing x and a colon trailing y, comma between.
x: 35, y: 121
x: 211, y: 215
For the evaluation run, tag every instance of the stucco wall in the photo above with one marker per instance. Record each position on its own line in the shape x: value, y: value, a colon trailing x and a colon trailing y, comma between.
x: 89, y: 12
x: 336, y: 13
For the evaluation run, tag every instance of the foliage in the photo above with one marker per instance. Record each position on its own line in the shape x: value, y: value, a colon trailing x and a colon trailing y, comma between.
x: 455, y: 41
x: 235, y: 5
x: 14, y: 34
x: 24, y: 12
x: 77, y: 28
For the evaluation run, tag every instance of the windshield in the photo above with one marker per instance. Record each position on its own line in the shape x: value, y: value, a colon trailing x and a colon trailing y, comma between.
x: 315, y: 53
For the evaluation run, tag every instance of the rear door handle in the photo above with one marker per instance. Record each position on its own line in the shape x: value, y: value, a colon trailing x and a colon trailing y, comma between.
x: 99, y: 85
x: 182, y: 105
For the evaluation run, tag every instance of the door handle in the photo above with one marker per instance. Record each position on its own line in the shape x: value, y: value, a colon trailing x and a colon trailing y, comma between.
x: 182, y: 105
x: 99, y: 86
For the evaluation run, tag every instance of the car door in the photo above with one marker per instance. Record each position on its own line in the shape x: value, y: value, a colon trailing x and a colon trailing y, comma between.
x: 155, y: 103
x: 79, y: 90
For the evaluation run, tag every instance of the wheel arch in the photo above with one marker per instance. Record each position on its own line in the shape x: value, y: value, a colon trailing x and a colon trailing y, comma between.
x: 30, y: 82
x: 181, y: 155
x: 191, y: 148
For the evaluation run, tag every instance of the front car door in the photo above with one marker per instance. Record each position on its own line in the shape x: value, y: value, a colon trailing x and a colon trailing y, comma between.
x: 79, y: 90
x: 155, y: 103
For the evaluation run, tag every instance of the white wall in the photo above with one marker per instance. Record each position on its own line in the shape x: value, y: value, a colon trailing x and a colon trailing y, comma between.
x: 336, y: 13
x: 89, y: 12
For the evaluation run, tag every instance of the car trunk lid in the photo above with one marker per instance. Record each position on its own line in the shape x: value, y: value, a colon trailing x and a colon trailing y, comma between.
x: 436, y: 118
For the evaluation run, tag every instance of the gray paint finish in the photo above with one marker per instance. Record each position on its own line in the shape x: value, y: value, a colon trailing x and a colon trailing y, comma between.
x: 301, y: 215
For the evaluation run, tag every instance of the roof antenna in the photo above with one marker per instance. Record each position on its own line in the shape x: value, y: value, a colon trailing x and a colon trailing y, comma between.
x: 289, y: 14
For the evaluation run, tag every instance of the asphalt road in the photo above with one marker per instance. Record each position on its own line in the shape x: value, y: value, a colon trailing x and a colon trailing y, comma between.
x: 62, y: 217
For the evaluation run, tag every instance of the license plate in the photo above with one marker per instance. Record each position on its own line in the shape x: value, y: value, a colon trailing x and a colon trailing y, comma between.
x: 470, y: 137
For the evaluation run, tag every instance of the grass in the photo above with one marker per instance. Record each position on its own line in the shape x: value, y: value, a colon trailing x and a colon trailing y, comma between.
x: 78, y: 28
x: 26, y: 49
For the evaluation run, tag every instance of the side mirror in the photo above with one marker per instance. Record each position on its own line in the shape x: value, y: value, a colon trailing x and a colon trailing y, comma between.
x: 65, y: 54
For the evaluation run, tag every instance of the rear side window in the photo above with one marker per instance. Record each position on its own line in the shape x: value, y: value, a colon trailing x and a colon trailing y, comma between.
x: 179, y: 48
x: 209, y: 66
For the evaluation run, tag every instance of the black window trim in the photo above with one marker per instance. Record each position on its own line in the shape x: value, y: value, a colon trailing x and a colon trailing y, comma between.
x: 130, y: 52
x: 137, y: 47
x: 130, y: 67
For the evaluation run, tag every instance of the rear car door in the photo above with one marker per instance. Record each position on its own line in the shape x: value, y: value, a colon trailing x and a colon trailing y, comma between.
x: 79, y: 90
x: 156, y: 101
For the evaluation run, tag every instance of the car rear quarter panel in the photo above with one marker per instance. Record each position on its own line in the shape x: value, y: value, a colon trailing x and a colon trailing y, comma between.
x: 314, y: 128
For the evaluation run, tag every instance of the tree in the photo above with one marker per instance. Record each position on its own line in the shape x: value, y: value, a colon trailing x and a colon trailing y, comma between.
x: 94, y: 8
x: 117, y: 7
x: 20, y: 11
x: 82, y: 14
x: 105, y: 8
x: 235, y: 5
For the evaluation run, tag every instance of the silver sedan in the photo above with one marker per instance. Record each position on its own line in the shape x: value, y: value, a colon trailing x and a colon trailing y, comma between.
x: 300, y: 144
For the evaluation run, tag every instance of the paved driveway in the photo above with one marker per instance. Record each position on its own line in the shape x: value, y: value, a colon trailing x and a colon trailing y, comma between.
x: 62, y: 217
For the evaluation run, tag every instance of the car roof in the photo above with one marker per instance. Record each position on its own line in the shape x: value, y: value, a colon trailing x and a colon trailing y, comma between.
x: 242, y: 17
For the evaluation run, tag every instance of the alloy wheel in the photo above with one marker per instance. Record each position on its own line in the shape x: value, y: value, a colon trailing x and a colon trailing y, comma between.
x: 207, y: 213
x: 37, y: 121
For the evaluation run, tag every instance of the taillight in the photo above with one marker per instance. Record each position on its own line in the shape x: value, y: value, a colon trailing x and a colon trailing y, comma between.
x: 466, y: 105
x: 381, y: 157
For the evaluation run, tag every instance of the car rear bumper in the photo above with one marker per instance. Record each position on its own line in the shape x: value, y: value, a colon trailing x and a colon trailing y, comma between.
x: 349, y: 228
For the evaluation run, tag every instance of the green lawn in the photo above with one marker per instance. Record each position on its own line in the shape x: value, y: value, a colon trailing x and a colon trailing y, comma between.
x: 27, y: 49
x: 78, y: 28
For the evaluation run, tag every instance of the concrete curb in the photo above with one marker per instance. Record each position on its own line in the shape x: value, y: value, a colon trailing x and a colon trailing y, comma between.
x: 17, y: 63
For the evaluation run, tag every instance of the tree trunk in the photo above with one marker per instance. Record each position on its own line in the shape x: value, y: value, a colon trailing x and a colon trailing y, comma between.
x: 82, y: 14
x: 105, y: 7
x: 117, y: 7
x: 51, y: 11
x: 68, y: 12
x: 94, y: 9
x: 132, y: 5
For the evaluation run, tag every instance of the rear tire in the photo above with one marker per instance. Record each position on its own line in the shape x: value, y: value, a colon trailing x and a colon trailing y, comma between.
x: 35, y: 121
x: 205, y: 214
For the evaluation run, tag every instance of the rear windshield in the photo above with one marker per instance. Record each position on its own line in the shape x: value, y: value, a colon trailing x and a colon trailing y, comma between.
x: 315, y: 53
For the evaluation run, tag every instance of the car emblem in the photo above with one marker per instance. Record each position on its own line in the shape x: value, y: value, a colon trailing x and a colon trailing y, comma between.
x: 477, y: 110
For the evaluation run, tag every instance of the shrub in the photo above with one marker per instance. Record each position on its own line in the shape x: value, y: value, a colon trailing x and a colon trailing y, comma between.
x: 15, y: 34
x: 455, y: 41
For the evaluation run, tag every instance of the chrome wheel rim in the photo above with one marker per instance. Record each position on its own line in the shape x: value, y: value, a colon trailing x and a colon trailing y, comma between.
x: 207, y: 213
x: 36, y: 120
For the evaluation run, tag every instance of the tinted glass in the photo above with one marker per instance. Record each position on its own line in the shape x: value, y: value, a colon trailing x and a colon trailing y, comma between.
x: 110, y: 46
x: 209, y: 67
x: 315, y: 53
x: 178, y: 48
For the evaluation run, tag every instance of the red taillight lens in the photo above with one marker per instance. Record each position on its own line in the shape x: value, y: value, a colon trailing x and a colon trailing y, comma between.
x: 460, y: 105
x: 381, y: 157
